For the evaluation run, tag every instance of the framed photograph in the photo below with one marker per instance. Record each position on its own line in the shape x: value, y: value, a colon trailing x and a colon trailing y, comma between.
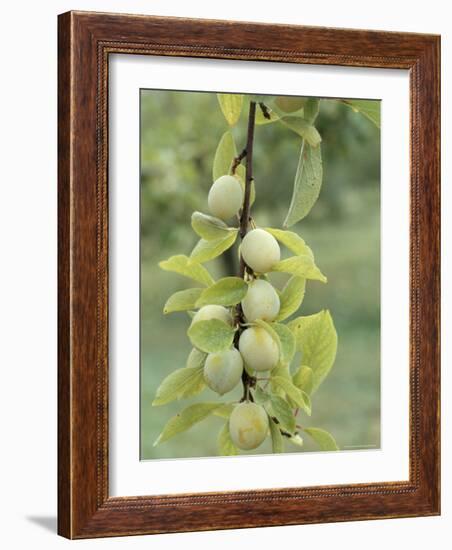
x: 248, y: 275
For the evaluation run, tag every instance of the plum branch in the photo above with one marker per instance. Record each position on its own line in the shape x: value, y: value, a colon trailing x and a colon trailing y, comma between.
x: 237, y: 332
x: 247, y: 380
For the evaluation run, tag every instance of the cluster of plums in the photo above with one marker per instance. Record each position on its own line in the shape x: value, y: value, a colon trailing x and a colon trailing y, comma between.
x: 248, y: 423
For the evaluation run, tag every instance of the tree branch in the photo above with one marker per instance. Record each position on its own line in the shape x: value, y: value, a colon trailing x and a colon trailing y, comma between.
x: 245, y: 215
x: 243, y: 230
x: 238, y: 159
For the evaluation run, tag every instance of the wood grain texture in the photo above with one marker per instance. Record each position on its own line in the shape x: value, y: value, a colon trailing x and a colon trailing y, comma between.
x: 85, y: 42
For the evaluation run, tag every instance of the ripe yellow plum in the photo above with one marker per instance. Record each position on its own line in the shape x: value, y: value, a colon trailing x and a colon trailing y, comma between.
x: 259, y: 351
x: 290, y: 104
x: 225, y: 197
x: 248, y: 425
x: 223, y: 370
x: 260, y: 250
x: 261, y: 301
x: 213, y: 312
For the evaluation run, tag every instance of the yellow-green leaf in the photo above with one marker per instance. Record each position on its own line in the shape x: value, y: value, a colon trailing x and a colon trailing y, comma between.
x: 299, y: 397
x: 369, y: 108
x: 186, y: 419
x: 196, y: 358
x: 260, y: 396
x: 296, y: 440
x: 302, y: 266
x: 287, y: 341
x: 231, y: 106
x: 304, y: 129
x: 316, y: 339
x: 225, y: 445
x: 324, y: 439
x: 211, y: 336
x: 184, y: 266
x: 283, y: 413
x: 241, y: 174
x: 225, y: 410
x: 292, y: 241
x: 311, y: 109
x: 291, y: 297
x: 307, y: 184
x: 186, y: 382
x: 224, y: 155
x: 261, y: 119
x: 182, y: 300
x: 208, y: 250
x: 228, y: 291
x: 208, y: 227
x: 304, y: 379
x: 277, y: 438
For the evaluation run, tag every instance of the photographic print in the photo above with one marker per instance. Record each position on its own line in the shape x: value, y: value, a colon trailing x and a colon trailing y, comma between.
x: 260, y: 274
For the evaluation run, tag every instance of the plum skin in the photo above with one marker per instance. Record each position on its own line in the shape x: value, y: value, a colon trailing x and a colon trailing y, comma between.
x: 248, y: 425
x: 261, y: 301
x: 260, y: 250
x: 290, y: 104
x: 223, y: 370
x: 225, y: 197
x: 206, y: 313
x: 259, y: 351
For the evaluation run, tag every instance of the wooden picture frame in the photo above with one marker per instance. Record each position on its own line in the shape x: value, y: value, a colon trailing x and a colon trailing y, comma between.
x: 85, y: 42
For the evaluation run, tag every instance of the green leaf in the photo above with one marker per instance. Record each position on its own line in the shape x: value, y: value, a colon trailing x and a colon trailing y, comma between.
x: 260, y: 396
x: 241, y: 173
x: 296, y: 440
x: 231, y: 105
x: 196, y: 358
x: 298, y: 396
x: 311, y: 109
x: 303, y: 129
x: 316, y: 339
x: 369, y: 108
x: 283, y: 413
x: 302, y: 266
x: 277, y: 438
x: 324, y: 439
x: 291, y: 297
x: 261, y: 119
x: 287, y: 341
x: 270, y: 330
x: 182, y: 300
x: 224, y: 155
x: 208, y: 227
x: 282, y: 371
x: 208, y: 250
x: 308, y: 180
x: 292, y: 241
x: 225, y: 410
x: 211, y: 336
x: 228, y: 291
x: 184, y: 266
x: 186, y: 419
x: 225, y: 445
x: 186, y: 382
x: 304, y: 379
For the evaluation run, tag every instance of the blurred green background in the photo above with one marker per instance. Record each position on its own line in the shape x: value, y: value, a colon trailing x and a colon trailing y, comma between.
x: 179, y: 135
